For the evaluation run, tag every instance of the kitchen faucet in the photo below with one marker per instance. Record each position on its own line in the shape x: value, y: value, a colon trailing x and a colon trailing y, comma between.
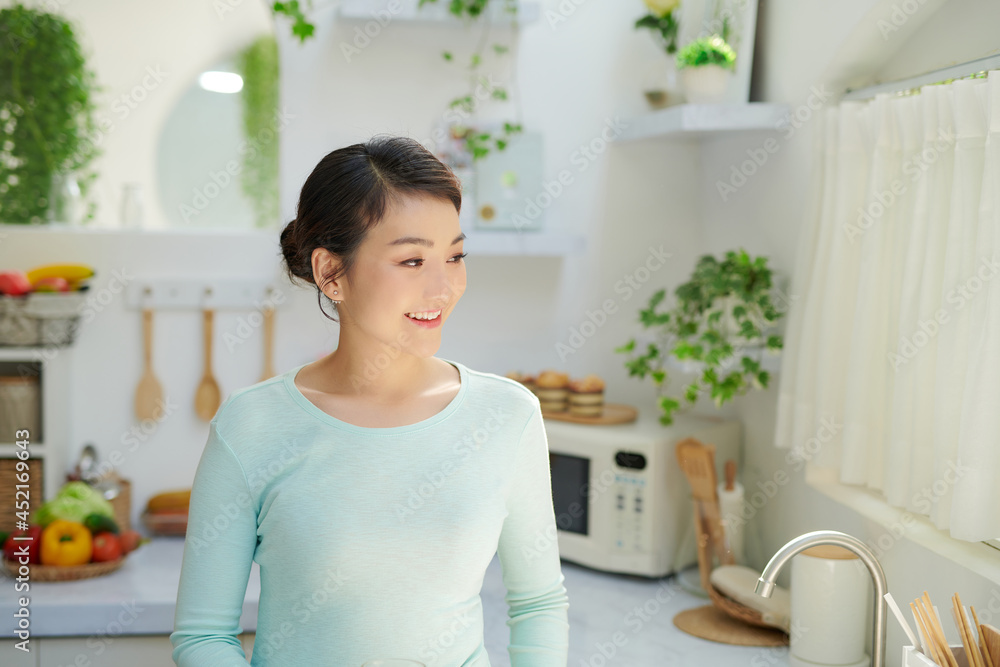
x: 765, y: 584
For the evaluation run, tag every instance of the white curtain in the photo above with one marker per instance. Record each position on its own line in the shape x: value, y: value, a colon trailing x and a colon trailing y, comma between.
x: 892, y: 353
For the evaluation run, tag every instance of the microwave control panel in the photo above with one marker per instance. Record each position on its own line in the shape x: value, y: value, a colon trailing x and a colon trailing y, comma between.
x: 630, y: 499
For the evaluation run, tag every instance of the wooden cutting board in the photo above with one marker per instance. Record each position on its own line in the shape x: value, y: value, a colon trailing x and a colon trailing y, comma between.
x: 614, y: 413
x: 991, y: 636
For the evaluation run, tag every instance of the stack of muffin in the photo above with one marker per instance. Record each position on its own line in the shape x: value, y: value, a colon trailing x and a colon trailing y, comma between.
x: 558, y: 393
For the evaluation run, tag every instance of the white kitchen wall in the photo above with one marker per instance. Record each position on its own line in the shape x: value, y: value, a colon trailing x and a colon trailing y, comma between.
x: 574, y: 76
x: 845, y: 44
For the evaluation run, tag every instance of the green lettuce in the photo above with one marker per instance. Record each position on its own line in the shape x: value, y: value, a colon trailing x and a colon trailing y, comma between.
x: 74, y: 502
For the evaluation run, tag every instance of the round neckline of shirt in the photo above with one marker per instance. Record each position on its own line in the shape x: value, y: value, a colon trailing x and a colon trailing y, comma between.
x: 312, y: 409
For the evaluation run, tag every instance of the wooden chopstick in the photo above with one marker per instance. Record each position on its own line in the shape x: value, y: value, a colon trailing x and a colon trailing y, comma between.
x: 963, y: 631
x: 980, y: 660
x: 982, y: 640
x: 934, y: 625
x: 939, y: 630
x: 932, y: 646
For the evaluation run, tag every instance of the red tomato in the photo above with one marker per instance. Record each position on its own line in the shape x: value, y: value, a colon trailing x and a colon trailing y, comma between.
x: 106, y: 547
x: 12, y: 546
x: 130, y: 540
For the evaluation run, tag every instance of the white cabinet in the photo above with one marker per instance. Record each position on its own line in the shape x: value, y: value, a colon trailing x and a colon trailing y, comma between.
x: 51, y: 445
x: 15, y: 657
x: 122, y: 651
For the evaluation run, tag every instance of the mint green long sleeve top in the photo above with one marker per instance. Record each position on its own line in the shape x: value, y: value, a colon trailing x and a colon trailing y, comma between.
x: 371, y: 542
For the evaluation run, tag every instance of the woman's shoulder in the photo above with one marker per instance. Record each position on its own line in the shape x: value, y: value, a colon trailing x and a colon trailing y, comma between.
x: 498, y: 387
x: 250, y: 403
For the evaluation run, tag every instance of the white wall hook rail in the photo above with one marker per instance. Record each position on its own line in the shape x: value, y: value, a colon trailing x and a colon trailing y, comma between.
x: 234, y: 293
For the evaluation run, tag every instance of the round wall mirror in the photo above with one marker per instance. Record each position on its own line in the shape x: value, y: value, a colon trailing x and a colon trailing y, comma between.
x: 217, y: 157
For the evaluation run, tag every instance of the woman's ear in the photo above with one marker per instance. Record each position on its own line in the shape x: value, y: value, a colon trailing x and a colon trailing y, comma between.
x: 324, y: 263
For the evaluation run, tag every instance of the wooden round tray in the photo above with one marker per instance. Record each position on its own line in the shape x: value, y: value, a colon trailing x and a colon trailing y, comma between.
x: 64, y: 572
x: 614, y: 413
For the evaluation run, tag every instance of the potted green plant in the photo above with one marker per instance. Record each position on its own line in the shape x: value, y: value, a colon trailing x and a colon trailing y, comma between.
x: 720, y: 326
x: 47, y: 125
x: 706, y: 65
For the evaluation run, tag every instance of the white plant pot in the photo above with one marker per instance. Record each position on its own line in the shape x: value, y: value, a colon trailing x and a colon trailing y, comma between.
x: 705, y: 84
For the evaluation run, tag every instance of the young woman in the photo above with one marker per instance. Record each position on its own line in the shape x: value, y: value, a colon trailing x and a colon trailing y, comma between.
x: 374, y: 486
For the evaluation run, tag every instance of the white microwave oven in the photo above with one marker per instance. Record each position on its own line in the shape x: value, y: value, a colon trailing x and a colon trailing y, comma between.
x: 621, y: 502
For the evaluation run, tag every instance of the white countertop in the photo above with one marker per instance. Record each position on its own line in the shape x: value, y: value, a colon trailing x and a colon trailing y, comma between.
x: 630, y: 617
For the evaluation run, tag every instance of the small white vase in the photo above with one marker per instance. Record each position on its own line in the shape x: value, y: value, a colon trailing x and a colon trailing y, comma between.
x: 705, y: 84
x: 659, y: 83
x: 65, y: 202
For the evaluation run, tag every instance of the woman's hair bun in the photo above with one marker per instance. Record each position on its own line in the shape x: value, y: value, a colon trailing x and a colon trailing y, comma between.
x: 298, y: 266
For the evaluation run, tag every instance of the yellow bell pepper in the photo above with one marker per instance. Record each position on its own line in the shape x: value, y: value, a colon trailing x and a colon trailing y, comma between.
x: 66, y: 542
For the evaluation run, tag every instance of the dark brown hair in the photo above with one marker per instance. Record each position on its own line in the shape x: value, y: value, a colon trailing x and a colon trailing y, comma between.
x: 349, y: 192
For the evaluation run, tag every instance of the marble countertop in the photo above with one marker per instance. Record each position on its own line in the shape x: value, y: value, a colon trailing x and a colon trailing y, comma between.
x: 614, y: 619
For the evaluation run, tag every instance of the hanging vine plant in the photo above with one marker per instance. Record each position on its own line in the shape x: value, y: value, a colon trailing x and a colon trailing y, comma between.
x: 47, y: 120
x: 479, y: 141
x: 258, y: 65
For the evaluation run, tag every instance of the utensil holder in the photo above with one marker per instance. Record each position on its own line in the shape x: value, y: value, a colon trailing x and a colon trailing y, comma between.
x: 914, y: 658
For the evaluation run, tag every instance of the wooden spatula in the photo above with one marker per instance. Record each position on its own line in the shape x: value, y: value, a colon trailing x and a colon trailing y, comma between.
x: 268, y: 344
x: 697, y: 461
x: 208, y: 397
x: 149, y: 393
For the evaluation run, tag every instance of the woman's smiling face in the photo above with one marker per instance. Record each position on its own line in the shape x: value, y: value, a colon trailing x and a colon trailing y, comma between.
x: 411, y: 262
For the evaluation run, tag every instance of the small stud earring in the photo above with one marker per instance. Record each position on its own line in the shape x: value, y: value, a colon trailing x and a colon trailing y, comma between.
x: 334, y: 291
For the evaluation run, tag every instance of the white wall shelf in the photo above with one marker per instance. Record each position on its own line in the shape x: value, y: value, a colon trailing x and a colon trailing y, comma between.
x: 488, y: 242
x: 432, y: 12
x: 702, y: 120
x: 55, y: 364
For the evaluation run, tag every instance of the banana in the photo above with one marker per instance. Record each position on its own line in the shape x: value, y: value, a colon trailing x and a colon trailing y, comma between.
x: 71, y: 272
x: 169, y: 501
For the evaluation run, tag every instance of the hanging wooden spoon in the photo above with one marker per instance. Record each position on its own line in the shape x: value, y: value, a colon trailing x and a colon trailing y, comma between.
x: 268, y: 344
x: 149, y: 393
x: 208, y: 397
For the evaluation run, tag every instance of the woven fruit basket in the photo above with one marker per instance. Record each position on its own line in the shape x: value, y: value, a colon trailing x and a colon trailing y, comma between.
x: 40, y: 318
x: 38, y: 572
x: 172, y: 523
